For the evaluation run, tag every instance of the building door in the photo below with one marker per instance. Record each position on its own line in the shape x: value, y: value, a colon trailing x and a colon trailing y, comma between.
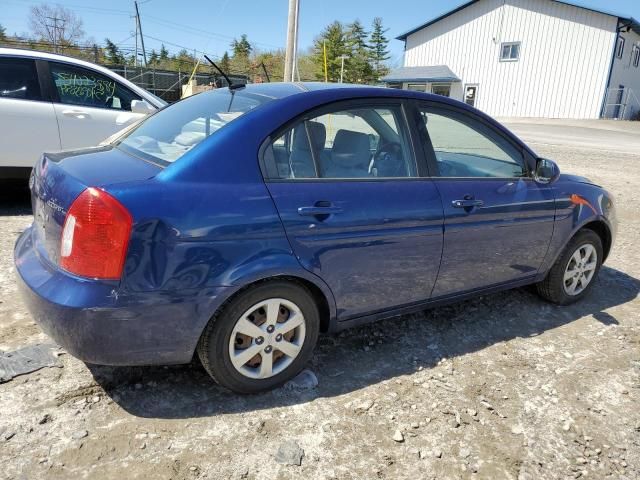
x: 470, y: 93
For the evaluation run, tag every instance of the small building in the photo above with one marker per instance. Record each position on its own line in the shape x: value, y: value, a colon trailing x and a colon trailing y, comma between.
x: 527, y: 58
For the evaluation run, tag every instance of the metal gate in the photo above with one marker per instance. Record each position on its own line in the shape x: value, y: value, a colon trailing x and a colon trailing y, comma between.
x: 621, y: 104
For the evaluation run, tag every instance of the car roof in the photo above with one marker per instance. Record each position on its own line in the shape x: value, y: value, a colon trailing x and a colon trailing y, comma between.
x: 36, y: 54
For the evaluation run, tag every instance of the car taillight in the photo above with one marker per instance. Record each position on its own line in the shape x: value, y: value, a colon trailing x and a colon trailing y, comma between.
x: 95, y: 236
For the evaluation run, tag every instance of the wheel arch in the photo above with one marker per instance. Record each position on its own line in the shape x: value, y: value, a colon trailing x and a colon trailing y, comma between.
x: 603, y: 231
x: 320, y: 292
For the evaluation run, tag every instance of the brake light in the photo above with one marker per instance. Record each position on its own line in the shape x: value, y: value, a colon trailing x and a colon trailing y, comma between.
x: 95, y: 236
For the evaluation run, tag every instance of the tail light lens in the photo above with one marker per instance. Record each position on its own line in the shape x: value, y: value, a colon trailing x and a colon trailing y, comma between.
x: 95, y: 236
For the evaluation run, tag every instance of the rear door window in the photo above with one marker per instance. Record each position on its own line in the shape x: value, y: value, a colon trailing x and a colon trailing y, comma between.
x: 364, y: 142
x: 19, y: 79
x: 81, y: 86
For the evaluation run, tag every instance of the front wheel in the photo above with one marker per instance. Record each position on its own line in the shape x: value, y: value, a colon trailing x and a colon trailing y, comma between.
x: 575, y: 271
x: 262, y: 338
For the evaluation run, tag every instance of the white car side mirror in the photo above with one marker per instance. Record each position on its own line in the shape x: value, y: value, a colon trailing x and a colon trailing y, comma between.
x: 141, y: 106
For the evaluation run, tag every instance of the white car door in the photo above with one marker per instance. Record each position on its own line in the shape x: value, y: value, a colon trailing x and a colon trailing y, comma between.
x: 28, y: 124
x: 89, y: 105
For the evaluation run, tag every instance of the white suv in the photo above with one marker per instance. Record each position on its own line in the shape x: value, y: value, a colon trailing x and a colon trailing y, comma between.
x: 51, y: 102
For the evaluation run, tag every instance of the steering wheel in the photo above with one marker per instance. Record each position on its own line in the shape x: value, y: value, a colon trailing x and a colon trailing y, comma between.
x: 388, y: 160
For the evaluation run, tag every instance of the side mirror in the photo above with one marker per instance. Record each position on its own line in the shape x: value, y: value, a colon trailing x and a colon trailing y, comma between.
x: 547, y: 171
x: 141, y: 106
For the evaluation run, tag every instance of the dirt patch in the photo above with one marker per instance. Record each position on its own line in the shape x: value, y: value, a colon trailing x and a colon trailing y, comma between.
x: 502, y: 386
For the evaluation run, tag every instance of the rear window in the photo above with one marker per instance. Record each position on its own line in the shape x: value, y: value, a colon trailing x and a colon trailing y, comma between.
x: 169, y: 134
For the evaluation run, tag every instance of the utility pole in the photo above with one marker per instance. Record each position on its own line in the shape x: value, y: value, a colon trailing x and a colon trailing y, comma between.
x: 342, y: 57
x: 292, y: 41
x: 55, y: 32
x: 139, y: 29
x: 135, y: 59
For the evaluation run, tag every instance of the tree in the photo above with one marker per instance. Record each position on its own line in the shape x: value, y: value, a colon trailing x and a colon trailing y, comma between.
x: 3, y: 33
x: 357, y: 66
x: 225, y: 63
x: 241, y: 48
x: 333, y: 39
x: 55, y: 24
x: 153, y: 57
x: 164, y: 53
x: 113, y: 56
x: 379, y: 49
x: 184, y: 61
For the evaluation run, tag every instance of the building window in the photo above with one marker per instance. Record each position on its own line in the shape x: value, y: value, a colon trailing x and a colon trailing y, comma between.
x: 636, y: 55
x: 510, y: 52
x: 417, y: 87
x: 620, y: 47
x: 443, y: 89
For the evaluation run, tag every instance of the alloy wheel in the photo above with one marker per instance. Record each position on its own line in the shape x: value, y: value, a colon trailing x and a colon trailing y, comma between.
x: 580, y: 269
x: 267, y: 338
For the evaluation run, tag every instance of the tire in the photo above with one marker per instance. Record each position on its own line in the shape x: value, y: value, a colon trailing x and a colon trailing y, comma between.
x: 215, y: 349
x: 553, y: 288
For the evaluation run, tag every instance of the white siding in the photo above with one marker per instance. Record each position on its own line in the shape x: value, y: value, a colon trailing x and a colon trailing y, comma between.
x: 565, y: 56
x: 625, y: 73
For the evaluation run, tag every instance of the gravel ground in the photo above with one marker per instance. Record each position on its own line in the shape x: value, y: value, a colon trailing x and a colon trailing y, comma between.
x: 503, y: 386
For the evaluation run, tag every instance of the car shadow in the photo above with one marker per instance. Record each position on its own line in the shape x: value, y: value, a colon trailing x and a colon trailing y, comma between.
x: 369, y: 354
x: 15, y: 198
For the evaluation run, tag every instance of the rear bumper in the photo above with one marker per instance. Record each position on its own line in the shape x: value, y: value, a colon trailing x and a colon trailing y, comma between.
x: 98, y: 323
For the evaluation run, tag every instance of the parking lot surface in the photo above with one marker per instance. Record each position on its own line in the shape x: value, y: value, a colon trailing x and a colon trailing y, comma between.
x: 502, y: 386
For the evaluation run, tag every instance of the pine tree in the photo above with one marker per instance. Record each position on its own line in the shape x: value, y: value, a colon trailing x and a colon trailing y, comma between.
x: 153, y: 57
x: 113, y: 54
x: 164, y: 53
x: 379, y: 49
x: 3, y: 33
x: 241, y: 48
x: 225, y: 63
x: 357, y: 66
x: 334, y: 39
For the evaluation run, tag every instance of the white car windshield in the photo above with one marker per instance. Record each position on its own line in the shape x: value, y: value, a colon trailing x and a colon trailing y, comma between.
x: 167, y: 135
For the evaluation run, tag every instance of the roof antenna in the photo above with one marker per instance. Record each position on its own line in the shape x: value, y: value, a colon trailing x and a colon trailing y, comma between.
x: 232, y: 86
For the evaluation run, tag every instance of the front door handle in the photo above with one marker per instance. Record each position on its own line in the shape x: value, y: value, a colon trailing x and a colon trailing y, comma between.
x: 467, y: 203
x: 318, y: 211
x: 76, y: 114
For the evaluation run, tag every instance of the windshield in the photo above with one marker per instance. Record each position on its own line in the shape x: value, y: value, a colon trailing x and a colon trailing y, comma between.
x: 170, y: 133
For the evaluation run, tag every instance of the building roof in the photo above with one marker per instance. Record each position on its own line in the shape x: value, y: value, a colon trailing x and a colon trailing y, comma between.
x: 632, y: 23
x: 437, y: 73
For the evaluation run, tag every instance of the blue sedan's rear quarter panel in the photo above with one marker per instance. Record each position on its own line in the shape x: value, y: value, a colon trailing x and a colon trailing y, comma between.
x: 98, y: 322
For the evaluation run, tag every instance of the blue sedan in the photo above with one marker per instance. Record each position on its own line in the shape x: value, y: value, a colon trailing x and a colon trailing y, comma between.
x: 238, y: 224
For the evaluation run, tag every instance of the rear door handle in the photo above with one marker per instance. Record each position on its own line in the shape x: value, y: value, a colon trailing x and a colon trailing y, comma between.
x: 316, y: 211
x: 467, y: 203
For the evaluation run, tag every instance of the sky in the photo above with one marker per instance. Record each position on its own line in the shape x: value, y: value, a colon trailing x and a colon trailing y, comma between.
x: 210, y: 25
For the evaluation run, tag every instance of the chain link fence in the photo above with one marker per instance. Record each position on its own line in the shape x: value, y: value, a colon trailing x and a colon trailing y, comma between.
x: 167, y: 84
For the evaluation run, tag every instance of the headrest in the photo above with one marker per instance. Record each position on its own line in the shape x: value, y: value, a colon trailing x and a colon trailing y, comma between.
x: 318, y: 135
x: 351, y: 149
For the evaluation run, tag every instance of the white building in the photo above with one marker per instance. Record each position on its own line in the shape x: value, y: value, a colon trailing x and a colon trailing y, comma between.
x: 527, y: 58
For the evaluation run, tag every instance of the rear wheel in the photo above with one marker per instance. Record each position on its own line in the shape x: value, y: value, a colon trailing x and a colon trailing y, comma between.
x: 262, y: 338
x: 575, y: 271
